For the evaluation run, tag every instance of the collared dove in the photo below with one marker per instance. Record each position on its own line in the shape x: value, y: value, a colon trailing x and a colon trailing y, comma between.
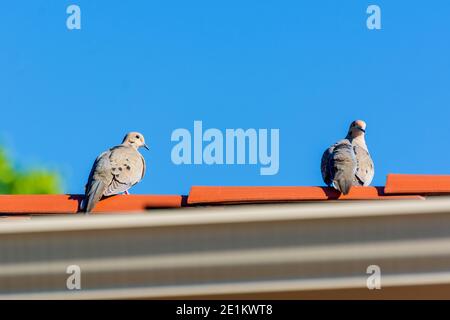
x: 348, y: 163
x: 115, y: 170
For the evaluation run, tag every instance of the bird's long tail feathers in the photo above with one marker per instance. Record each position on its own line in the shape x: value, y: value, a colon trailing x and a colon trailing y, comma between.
x: 343, y: 181
x: 93, y: 195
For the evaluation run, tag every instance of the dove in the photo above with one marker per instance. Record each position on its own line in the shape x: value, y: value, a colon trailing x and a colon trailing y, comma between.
x: 115, y: 171
x: 348, y: 163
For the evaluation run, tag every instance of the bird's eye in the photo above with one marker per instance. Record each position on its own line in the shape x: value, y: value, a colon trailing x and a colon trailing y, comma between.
x: 137, y: 137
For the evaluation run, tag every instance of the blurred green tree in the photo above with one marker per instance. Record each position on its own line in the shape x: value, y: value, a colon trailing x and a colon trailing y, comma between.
x: 13, y: 181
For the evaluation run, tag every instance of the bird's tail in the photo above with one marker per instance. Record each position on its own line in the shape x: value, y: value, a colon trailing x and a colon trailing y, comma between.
x: 94, y: 193
x: 343, y: 180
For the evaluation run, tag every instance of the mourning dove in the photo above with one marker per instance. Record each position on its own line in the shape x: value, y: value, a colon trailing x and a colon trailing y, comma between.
x: 115, y: 170
x: 348, y: 163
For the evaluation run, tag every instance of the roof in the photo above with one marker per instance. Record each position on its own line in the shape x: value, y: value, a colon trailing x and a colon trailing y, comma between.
x: 398, y: 186
x: 233, y: 242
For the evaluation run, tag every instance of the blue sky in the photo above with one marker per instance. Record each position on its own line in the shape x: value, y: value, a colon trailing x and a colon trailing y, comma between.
x: 307, y: 68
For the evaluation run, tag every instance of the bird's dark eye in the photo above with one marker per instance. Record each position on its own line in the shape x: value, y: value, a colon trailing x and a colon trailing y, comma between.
x: 137, y: 137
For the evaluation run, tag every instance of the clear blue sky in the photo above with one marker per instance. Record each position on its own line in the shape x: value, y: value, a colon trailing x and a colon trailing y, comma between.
x: 306, y: 67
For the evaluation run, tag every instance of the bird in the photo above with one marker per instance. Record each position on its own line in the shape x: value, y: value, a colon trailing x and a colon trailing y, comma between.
x: 348, y: 162
x: 115, y: 170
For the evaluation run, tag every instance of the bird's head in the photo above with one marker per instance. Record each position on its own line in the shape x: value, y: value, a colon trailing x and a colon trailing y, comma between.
x: 357, y: 128
x: 135, y: 140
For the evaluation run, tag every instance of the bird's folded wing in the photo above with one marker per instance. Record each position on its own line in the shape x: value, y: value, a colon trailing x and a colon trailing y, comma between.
x: 365, y: 167
x: 325, y: 165
x: 99, y: 179
x: 344, y: 157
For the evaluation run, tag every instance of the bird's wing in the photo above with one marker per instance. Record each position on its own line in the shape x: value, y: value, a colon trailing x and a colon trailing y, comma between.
x: 342, y: 166
x: 325, y: 166
x: 144, y: 167
x: 98, y: 181
x: 343, y: 157
x: 127, y: 167
x: 365, y: 168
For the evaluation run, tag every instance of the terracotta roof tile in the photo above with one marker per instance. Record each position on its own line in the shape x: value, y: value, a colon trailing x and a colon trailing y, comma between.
x: 222, y: 195
x: 418, y: 184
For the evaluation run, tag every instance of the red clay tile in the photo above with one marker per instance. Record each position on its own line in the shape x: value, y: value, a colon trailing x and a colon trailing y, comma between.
x: 417, y: 184
x: 66, y: 204
x: 221, y: 195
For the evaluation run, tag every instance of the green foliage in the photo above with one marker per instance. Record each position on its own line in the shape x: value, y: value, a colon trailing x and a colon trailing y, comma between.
x: 13, y: 181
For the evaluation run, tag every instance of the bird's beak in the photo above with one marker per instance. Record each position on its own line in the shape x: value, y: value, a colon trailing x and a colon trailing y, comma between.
x: 361, y: 129
x: 146, y: 146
